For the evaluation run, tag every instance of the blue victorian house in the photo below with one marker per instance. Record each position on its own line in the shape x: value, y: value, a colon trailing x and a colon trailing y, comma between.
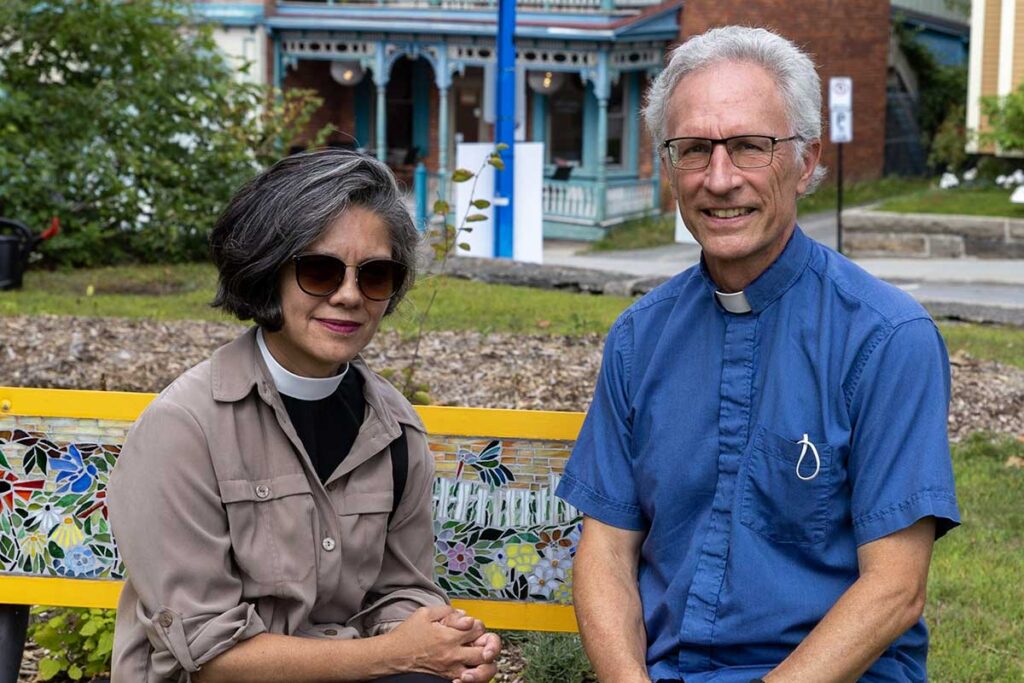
x: 407, y: 80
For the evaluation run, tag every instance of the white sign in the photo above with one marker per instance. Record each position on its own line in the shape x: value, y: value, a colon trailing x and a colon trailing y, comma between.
x: 840, y: 125
x: 840, y: 106
x: 528, y: 218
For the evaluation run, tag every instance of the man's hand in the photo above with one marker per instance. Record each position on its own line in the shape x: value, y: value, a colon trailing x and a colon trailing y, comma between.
x: 490, y: 642
x: 425, y: 643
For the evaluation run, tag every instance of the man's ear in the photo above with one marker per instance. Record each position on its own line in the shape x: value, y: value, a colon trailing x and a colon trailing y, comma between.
x: 809, y: 161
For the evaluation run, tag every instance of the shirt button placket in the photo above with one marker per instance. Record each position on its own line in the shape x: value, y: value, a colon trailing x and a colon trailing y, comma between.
x: 734, y: 412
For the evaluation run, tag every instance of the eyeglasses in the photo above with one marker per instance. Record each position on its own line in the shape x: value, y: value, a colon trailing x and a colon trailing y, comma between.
x: 321, y: 275
x: 746, y: 151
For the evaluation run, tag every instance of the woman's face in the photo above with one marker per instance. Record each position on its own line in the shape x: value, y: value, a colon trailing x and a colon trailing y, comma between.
x: 320, y: 334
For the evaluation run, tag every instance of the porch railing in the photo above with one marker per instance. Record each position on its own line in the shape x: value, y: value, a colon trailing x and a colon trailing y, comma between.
x: 578, y: 200
x: 553, y: 5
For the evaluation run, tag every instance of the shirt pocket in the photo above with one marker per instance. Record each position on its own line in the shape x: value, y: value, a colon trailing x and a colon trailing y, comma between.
x: 363, y: 520
x: 785, y: 493
x: 272, y: 523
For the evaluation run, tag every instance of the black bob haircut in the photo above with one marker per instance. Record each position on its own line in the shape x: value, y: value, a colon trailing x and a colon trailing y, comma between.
x: 280, y: 212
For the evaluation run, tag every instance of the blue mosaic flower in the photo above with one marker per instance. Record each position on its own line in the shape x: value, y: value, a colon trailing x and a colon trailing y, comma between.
x: 78, y: 561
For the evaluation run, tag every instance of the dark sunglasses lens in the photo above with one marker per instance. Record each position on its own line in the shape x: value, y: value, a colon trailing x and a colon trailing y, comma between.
x: 379, y: 280
x: 319, y: 275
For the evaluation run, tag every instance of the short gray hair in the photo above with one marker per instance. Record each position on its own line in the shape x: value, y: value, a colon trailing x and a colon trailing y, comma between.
x: 280, y: 212
x: 793, y: 71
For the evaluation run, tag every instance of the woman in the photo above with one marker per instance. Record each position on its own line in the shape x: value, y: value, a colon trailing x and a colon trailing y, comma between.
x: 273, y: 504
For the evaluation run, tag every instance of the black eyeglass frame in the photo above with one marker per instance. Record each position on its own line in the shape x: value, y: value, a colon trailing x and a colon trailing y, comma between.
x: 398, y: 265
x: 725, y: 142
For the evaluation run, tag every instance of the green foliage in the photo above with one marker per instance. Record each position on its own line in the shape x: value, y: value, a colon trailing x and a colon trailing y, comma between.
x: 555, y: 658
x: 949, y: 144
x: 971, y: 201
x: 123, y: 119
x: 1006, y: 120
x: 78, y: 642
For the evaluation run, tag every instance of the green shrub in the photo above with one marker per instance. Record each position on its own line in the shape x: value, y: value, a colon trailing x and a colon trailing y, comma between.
x: 78, y: 642
x: 555, y: 658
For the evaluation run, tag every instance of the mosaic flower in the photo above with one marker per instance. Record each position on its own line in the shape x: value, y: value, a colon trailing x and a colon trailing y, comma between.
x: 556, y: 537
x: 73, y: 475
x: 559, y: 558
x: 78, y: 561
x: 13, y: 488
x: 563, y: 594
x: 521, y: 556
x: 44, y: 514
x: 551, y: 568
x: 34, y: 544
x: 494, y: 573
x: 543, y: 580
x: 459, y: 557
x: 67, y: 534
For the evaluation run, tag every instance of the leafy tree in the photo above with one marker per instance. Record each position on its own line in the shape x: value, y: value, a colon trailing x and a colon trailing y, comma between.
x: 123, y: 119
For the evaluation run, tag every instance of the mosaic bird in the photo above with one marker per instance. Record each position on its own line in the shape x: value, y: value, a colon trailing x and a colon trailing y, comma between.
x: 73, y: 474
x: 487, y: 464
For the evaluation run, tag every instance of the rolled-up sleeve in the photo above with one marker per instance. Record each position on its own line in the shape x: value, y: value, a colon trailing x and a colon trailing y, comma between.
x: 406, y: 579
x: 172, y: 532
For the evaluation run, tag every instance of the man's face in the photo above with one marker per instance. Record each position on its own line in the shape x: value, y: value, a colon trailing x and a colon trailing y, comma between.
x: 742, y: 217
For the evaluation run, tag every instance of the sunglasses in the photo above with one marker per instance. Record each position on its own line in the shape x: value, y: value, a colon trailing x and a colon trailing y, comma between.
x: 321, y: 275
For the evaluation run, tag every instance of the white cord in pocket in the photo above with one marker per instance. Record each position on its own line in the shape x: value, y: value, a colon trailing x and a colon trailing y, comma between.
x: 803, y: 452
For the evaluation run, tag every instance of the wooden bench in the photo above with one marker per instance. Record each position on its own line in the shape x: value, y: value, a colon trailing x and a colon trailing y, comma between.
x: 505, y: 543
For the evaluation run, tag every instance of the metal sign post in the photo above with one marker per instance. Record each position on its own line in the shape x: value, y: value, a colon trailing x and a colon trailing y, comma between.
x: 840, y: 109
x: 505, y: 133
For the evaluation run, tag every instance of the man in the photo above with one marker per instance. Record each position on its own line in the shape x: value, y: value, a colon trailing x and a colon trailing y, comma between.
x: 765, y: 466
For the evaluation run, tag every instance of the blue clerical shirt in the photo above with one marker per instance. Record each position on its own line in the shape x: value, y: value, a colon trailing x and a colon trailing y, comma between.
x: 757, y: 451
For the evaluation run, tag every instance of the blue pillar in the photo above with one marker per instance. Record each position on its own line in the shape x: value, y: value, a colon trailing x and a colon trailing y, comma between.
x: 539, y: 117
x: 656, y: 168
x: 380, y: 79
x: 420, y: 190
x: 504, y: 195
x: 589, y: 128
x: 602, y: 89
x: 278, y: 63
x: 443, y: 81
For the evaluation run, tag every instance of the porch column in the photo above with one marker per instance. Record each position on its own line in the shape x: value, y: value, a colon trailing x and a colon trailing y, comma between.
x: 443, y: 80
x: 278, y: 62
x: 602, y: 89
x: 655, y: 161
x: 380, y: 79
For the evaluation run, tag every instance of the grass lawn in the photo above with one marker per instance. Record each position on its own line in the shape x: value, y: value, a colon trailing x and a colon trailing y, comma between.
x: 656, y: 231
x: 984, y: 201
x: 976, y: 596
x: 182, y: 292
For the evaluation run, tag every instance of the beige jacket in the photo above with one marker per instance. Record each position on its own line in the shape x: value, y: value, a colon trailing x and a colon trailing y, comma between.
x: 227, y: 532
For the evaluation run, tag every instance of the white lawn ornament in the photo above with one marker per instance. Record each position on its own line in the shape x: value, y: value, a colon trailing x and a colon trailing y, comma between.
x: 970, y: 175
x: 1018, y: 195
x: 948, y: 181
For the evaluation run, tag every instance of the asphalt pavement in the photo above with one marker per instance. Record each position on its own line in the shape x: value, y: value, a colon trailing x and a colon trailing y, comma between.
x: 979, y: 290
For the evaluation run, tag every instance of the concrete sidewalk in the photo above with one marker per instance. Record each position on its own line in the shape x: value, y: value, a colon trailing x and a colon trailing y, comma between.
x: 980, y: 290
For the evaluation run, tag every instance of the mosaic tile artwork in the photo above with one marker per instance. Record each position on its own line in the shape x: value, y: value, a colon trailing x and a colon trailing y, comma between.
x: 500, y: 531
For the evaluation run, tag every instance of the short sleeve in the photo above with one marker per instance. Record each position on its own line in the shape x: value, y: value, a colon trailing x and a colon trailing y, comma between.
x: 598, y: 477
x: 172, y: 533
x: 899, y: 465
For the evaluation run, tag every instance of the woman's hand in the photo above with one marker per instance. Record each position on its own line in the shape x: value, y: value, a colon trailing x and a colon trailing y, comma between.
x: 426, y: 642
x: 490, y: 642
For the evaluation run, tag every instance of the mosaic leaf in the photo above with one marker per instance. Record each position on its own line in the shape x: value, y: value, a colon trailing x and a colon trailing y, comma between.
x: 3, y: 461
x: 35, y: 458
x: 55, y: 551
x: 491, y: 534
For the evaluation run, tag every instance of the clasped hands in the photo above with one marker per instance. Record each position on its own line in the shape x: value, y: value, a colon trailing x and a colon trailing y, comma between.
x: 444, y: 641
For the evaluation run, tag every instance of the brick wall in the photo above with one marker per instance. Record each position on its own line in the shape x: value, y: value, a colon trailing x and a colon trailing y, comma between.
x: 848, y: 38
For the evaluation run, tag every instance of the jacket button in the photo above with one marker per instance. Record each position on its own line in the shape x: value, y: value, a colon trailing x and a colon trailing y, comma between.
x: 262, y: 491
x: 328, y: 544
x: 330, y: 632
x: 166, y: 619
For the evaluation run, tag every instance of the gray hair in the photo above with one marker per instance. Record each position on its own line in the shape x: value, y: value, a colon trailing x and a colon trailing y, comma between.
x: 280, y: 212
x: 792, y: 69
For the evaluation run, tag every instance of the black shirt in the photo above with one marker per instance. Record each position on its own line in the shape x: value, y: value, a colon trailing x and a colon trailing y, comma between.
x: 328, y: 426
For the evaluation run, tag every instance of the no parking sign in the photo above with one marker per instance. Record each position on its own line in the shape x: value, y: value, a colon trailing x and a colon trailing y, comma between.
x: 840, y: 109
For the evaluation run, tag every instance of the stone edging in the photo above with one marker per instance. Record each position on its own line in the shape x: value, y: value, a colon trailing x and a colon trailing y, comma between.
x: 869, y: 233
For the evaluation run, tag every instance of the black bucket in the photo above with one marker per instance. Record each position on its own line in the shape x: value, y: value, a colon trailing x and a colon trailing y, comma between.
x: 14, y: 252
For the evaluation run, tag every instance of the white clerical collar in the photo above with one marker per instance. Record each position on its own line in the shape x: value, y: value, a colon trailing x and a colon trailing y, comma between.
x: 735, y: 302
x: 296, y: 386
